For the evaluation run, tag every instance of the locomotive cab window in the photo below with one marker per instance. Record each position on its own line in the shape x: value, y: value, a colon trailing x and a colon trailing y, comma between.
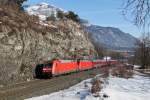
x: 49, y: 65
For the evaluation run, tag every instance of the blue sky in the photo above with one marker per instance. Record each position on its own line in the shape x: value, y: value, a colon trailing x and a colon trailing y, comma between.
x: 98, y: 12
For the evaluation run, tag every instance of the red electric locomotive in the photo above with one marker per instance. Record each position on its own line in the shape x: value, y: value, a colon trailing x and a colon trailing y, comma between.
x: 58, y: 67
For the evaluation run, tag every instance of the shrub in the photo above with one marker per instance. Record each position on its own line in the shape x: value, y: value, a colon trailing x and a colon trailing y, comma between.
x: 60, y: 15
x: 122, y: 71
x: 96, y: 87
x: 51, y: 18
x: 71, y: 15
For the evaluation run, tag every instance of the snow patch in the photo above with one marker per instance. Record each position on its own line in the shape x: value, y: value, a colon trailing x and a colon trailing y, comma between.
x: 77, y: 92
x: 136, y: 88
x: 137, y: 66
x: 43, y: 10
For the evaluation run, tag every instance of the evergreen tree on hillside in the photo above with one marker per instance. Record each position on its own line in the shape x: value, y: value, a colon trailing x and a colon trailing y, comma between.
x: 60, y: 15
x: 12, y: 2
x: 71, y: 15
x: 51, y: 18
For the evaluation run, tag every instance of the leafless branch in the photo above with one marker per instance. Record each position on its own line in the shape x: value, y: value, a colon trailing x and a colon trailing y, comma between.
x: 138, y: 11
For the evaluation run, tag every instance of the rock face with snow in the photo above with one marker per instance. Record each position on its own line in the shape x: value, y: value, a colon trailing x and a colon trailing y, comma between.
x: 43, y: 10
x: 111, y: 38
x: 24, y: 42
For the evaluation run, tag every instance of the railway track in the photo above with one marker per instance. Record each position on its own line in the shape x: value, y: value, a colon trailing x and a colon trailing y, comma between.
x: 39, y: 87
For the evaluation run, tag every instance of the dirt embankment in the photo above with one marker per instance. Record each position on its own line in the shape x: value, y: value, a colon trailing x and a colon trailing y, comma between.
x: 46, y: 86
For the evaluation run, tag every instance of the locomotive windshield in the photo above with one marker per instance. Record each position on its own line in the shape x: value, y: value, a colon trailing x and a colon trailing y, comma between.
x: 49, y: 65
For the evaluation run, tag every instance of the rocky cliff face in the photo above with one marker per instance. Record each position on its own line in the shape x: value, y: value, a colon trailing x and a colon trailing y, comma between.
x: 25, y: 42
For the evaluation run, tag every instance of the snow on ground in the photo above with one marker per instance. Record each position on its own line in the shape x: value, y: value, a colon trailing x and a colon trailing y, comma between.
x: 136, y: 88
x: 77, y: 92
x: 137, y: 66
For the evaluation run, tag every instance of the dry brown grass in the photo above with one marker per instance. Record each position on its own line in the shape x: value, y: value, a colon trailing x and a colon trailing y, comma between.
x: 105, y: 71
x: 96, y: 86
x: 121, y: 71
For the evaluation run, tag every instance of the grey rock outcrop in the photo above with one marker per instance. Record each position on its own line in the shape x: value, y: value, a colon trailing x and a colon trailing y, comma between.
x: 25, y: 42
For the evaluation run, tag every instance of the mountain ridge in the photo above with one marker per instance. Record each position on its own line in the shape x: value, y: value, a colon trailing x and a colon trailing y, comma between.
x: 111, y: 37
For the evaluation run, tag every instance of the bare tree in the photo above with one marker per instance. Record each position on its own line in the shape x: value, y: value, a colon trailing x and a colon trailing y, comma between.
x: 142, y: 53
x: 139, y: 13
x: 100, y: 50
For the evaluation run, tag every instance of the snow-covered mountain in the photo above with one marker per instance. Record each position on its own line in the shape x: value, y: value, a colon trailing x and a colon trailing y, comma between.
x: 43, y: 10
x: 111, y: 38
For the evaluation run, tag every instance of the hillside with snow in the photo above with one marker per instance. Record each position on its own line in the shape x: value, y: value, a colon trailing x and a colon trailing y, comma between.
x: 108, y: 37
x: 111, y: 38
x: 43, y: 10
